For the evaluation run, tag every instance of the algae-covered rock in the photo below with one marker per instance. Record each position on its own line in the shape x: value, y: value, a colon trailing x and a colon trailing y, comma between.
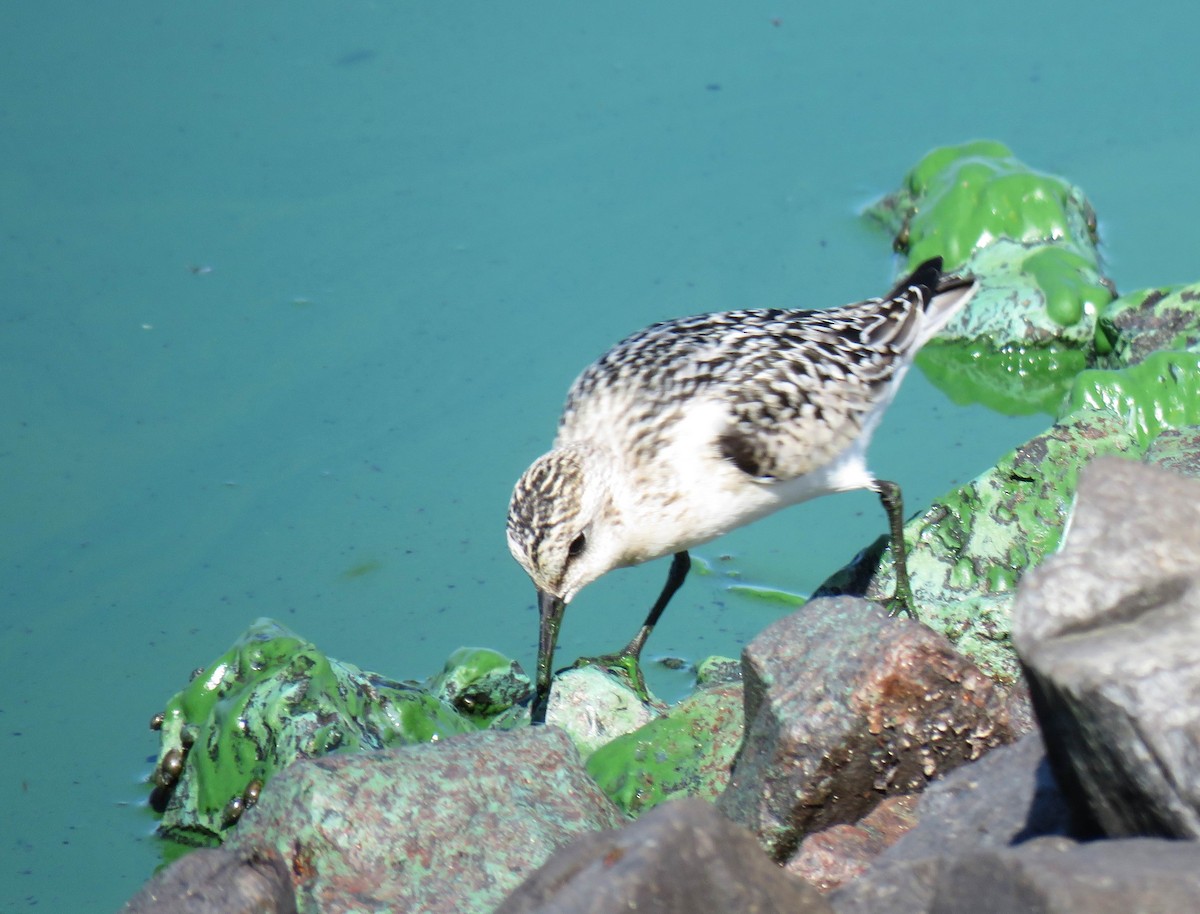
x: 273, y: 698
x: 960, y: 199
x: 687, y: 752
x: 1030, y: 240
x: 480, y: 683
x: 448, y: 827
x: 1151, y: 320
x: 1158, y: 393
x: 968, y: 551
x: 1032, y: 294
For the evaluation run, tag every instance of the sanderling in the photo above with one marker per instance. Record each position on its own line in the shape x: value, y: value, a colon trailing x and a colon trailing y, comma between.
x: 696, y: 426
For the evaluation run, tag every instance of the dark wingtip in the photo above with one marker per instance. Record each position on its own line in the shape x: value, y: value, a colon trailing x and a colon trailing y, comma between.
x: 925, y: 277
x: 928, y: 277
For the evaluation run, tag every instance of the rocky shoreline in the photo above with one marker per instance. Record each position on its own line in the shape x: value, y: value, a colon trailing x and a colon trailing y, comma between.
x: 511, y: 820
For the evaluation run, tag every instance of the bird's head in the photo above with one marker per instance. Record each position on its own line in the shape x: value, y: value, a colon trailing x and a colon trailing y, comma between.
x: 563, y: 532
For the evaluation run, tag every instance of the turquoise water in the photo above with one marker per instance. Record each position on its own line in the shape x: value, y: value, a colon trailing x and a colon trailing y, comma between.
x: 293, y: 293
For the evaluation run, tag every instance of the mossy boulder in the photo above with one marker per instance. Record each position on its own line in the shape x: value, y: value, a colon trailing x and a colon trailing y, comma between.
x: 968, y: 551
x: 273, y: 698
x: 1030, y: 240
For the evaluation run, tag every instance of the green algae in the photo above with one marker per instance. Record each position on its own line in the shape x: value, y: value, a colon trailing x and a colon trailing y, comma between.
x: 769, y: 595
x: 1069, y: 282
x: 480, y: 684
x: 1161, y: 392
x: 959, y: 199
x: 1015, y: 379
x: 273, y: 698
x: 689, y: 751
x: 1030, y: 240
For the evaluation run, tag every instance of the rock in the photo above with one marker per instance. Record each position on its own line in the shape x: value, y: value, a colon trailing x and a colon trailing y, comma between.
x: 270, y: 699
x: 1160, y: 392
x: 844, y: 706
x: 217, y: 881
x: 1006, y: 798
x: 1141, y: 323
x: 682, y: 857
x: 452, y: 826
x: 841, y: 853
x: 1109, y: 629
x: 1056, y: 876
x: 480, y: 683
x: 595, y: 706
x: 1029, y: 236
x: 689, y: 751
x: 1177, y: 450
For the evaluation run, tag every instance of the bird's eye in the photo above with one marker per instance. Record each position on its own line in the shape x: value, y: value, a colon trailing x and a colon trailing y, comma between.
x: 576, y: 546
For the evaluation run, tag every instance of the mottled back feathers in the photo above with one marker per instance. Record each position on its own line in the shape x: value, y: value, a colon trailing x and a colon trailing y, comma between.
x: 797, y: 385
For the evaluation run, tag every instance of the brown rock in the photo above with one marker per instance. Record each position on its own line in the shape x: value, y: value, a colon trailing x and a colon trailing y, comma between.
x: 845, y: 706
x: 833, y: 857
x: 217, y: 881
x: 443, y: 827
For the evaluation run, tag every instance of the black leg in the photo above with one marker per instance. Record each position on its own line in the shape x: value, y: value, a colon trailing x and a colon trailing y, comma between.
x: 680, y: 565
x: 893, y: 504
x: 625, y: 662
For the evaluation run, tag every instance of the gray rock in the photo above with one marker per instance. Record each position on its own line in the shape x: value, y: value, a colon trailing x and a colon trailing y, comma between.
x: 1055, y: 876
x: 682, y: 857
x: 217, y: 881
x: 1109, y: 630
x: 595, y: 707
x: 451, y: 826
x: 844, y: 706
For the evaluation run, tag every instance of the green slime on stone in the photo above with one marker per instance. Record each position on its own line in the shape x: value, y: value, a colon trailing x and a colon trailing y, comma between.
x: 1151, y: 320
x: 689, y: 751
x: 1162, y: 392
x: 480, y: 683
x: 273, y: 698
x: 1030, y: 240
x: 958, y: 199
x: 1013, y: 379
x: 968, y: 551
